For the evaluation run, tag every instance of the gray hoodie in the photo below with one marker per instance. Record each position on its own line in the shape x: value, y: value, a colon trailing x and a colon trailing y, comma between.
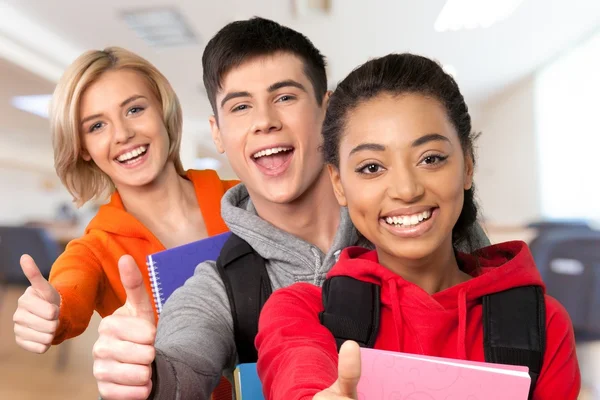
x: 195, y: 341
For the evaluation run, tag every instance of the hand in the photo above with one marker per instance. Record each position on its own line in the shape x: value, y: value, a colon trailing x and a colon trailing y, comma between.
x: 348, y: 375
x: 36, y: 317
x: 124, y: 351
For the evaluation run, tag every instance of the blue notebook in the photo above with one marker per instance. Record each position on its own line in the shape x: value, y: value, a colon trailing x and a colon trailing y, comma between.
x: 169, y: 269
x: 247, y: 384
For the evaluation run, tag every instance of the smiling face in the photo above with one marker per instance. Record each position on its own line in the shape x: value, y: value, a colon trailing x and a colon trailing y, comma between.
x: 402, y: 174
x: 122, y: 128
x: 269, y: 125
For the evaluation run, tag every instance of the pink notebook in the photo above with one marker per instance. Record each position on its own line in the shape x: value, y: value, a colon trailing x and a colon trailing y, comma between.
x: 399, y: 376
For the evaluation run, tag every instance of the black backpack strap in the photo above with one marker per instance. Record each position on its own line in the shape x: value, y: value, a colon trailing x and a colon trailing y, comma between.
x: 351, y: 310
x: 248, y: 287
x: 514, y: 329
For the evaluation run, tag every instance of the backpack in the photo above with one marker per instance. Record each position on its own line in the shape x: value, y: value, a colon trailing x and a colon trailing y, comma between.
x: 514, y: 321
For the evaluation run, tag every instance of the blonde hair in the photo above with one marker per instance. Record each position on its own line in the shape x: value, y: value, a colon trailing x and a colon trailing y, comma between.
x: 83, y: 179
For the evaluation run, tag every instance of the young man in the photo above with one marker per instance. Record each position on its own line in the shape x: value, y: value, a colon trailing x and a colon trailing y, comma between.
x: 268, y: 90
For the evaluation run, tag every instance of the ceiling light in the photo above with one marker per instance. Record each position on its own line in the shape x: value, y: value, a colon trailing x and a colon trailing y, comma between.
x: 34, y: 104
x: 311, y: 8
x: 28, y: 44
x: 471, y: 14
x: 29, y: 60
x: 161, y: 27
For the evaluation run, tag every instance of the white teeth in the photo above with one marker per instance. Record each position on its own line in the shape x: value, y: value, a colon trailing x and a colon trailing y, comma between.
x: 268, y: 152
x: 133, y: 153
x: 409, y: 220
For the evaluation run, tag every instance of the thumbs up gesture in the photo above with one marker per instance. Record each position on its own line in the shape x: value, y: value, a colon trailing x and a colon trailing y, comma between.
x: 36, y: 317
x: 348, y: 375
x: 124, y: 351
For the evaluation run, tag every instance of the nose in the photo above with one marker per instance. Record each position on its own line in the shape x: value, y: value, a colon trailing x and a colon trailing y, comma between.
x: 266, y: 120
x: 405, y: 185
x: 122, y: 132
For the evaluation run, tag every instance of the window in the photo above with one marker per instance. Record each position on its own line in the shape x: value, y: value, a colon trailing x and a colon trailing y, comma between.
x: 567, y: 118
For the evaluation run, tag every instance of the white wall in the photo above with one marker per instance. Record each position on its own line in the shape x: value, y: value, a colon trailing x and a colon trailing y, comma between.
x: 26, y: 167
x: 26, y: 196
x: 507, y: 172
x: 567, y: 132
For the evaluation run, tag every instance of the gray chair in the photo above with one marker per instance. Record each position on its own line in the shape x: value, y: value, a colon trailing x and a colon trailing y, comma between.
x: 569, y: 261
x: 16, y: 241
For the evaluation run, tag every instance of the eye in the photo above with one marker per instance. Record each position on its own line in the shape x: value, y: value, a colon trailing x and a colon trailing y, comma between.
x: 370, y: 169
x: 135, y: 110
x: 241, y: 107
x: 96, y: 126
x: 433, y: 159
x: 285, y: 98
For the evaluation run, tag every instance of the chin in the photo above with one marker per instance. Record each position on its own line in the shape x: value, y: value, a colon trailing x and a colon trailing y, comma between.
x: 281, y: 197
x: 143, y: 178
x: 280, y: 193
x: 410, y: 249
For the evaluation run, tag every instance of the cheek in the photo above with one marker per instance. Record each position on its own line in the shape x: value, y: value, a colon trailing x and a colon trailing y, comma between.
x: 447, y: 184
x: 363, y: 199
x: 305, y: 123
x: 96, y: 146
x: 234, y: 146
x: 450, y: 191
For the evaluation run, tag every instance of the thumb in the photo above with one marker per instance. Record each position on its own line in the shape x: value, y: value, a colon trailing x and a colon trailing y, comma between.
x: 37, y: 280
x: 348, y: 369
x: 138, y: 302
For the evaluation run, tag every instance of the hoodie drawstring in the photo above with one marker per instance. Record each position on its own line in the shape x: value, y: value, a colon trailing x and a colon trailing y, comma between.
x: 396, y: 312
x: 462, y: 324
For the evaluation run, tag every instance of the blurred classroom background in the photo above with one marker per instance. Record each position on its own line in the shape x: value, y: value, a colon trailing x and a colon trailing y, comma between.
x: 529, y: 69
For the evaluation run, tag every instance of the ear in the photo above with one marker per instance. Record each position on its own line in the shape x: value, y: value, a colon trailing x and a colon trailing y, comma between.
x: 469, y: 170
x: 85, y: 155
x: 326, y: 98
x: 216, y: 134
x: 336, y: 182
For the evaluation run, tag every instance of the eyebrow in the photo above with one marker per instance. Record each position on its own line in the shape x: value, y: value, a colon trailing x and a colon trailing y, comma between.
x: 286, y: 83
x: 123, y: 104
x: 432, y: 137
x: 368, y: 146
x: 132, y: 98
x: 234, y: 95
x: 418, y: 142
x: 275, y: 86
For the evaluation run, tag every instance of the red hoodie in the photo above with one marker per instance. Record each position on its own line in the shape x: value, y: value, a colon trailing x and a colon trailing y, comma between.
x: 298, y: 356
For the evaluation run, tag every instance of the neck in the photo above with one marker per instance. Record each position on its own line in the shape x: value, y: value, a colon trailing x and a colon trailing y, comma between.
x: 313, y: 217
x: 434, y: 273
x: 166, y: 200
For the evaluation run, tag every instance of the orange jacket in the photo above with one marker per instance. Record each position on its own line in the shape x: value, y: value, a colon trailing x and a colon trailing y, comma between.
x: 86, y: 274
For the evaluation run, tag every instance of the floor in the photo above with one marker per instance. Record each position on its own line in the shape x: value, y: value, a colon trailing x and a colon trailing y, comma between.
x: 26, y: 376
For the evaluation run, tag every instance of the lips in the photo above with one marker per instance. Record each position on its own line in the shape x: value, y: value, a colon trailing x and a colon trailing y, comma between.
x: 132, y: 154
x: 408, y: 220
x: 274, y: 160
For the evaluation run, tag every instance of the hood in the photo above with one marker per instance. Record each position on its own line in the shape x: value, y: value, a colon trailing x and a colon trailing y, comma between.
x: 493, y: 269
x: 112, y: 217
x: 277, y: 245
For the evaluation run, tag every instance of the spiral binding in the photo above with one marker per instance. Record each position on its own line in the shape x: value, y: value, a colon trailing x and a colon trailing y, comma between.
x: 157, y: 292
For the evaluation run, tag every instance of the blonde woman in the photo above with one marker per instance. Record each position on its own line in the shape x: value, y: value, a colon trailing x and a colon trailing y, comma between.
x: 116, y: 126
